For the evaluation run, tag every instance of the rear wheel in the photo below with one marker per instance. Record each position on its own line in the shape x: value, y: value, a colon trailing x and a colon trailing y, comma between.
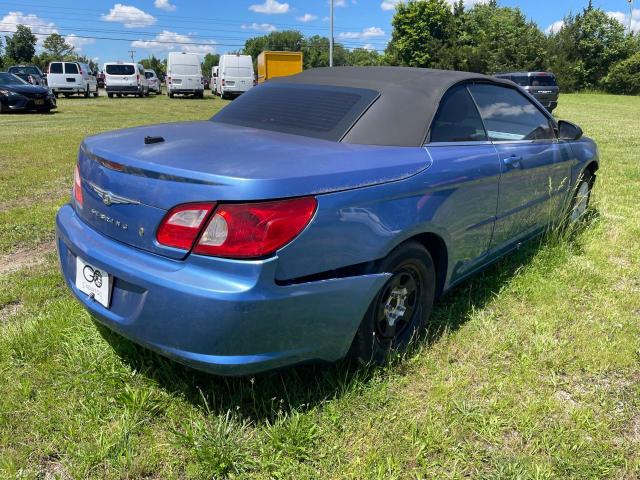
x: 87, y: 92
x: 400, y: 310
x: 109, y: 94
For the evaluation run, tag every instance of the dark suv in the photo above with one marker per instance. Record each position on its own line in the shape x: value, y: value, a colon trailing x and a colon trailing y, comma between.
x: 542, y: 85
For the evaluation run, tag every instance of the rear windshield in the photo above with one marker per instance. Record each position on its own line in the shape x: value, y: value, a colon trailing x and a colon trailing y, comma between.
x: 24, y: 70
x: 71, y: 68
x: 55, y: 68
x: 310, y: 110
x: 149, y: 74
x: 120, y: 69
x: 185, y: 69
x: 542, y: 81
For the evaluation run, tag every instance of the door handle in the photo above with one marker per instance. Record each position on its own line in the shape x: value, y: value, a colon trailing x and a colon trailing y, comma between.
x: 514, y: 161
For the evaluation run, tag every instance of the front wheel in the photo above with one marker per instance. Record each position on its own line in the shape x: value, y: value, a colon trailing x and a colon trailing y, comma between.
x: 400, y: 310
x: 581, y: 197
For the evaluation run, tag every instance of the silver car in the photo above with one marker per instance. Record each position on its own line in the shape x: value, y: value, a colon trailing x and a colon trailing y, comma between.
x: 542, y: 85
x: 154, y: 81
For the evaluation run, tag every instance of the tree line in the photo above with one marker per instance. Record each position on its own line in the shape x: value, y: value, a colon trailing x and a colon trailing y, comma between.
x: 590, y: 50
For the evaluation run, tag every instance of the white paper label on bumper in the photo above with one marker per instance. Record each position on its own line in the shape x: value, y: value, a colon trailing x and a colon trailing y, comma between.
x: 93, y: 281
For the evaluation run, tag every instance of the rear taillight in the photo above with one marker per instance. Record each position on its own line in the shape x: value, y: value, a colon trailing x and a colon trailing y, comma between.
x: 77, y: 187
x: 138, y: 78
x: 168, y: 79
x: 182, y: 225
x: 223, y: 82
x: 252, y: 230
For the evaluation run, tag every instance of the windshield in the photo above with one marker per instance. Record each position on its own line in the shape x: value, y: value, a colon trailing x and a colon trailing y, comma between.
x: 149, y: 74
x: 24, y: 70
x: 117, y: 69
x: 309, y: 110
x: 9, y: 79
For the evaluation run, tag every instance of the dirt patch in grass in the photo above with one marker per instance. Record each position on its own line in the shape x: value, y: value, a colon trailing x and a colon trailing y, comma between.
x: 25, y: 258
x: 51, y: 468
x: 9, y: 310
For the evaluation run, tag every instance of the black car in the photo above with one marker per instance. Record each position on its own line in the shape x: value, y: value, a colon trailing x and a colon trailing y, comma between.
x: 16, y: 94
x: 29, y: 73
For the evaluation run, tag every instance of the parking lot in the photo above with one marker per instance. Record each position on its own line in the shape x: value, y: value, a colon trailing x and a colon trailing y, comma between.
x: 531, y: 371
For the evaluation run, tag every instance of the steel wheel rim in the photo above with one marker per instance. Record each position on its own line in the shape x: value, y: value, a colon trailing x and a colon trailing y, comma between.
x: 398, y: 303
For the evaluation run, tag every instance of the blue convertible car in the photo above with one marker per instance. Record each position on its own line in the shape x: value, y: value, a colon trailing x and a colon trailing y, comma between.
x: 316, y: 216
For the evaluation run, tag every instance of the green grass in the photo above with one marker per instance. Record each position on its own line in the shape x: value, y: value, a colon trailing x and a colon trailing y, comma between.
x: 532, y: 369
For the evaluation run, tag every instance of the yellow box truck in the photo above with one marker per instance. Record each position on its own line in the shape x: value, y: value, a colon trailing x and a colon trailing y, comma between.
x: 278, y: 64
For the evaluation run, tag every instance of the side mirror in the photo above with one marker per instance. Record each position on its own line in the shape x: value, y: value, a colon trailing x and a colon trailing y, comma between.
x: 568, y: 130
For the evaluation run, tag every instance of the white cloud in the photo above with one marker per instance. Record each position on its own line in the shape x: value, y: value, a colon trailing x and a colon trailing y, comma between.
x: 130, y: 17
x: 270, y: 7
x: 37, y: 25
x: 259, y: 27
x: 624, y: 19
x: 555, y: 27
x: 339, y: 3
x: 307, y: 17
x: 164, y: 5
x: 368, y: 46
x: 391, y: 4
x: 167, y: 41
x: 78, y: 42
x: 370, y: 32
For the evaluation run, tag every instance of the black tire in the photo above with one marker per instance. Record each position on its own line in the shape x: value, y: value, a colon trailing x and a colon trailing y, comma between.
x: 96, y: 94
x: 581, y: 197
x: 3, y: 109
x: 109, y: 94
x: 87, y: 92
x: 171, y: 95
x: 385, y: 328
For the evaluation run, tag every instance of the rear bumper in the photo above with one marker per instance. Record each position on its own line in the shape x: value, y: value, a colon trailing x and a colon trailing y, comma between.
x: 179, y: 90
x: 122, y: 89
x: 222, y: 316
x: 72, y: 89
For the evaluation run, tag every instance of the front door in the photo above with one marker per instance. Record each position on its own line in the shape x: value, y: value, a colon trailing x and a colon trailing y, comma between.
x: 534, y: 165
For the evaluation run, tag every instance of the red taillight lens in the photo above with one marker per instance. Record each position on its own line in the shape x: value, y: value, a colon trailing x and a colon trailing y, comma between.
x: 77, y: 187
x: 181, y: 226
x: 255, y: 229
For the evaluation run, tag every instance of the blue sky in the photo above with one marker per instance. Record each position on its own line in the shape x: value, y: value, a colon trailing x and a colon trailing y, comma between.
x: 158, y: 26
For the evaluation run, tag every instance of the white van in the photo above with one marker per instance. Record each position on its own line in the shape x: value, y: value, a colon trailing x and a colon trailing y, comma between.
x: 214, y: 80
x: 70, y: 78
x: 235, y: 74
x: 125, y: 78
x: 184, y: 74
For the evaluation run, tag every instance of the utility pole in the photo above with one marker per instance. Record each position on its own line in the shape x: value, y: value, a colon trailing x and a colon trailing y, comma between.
x: 331, y: 36
x: 132, y: 53
x: 630, y: 14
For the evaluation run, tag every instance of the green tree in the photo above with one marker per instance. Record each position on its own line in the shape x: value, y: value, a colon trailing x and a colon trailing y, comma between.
x: 492, y: 39
x: 155, y: 64
x: 624, y: 77
x: 316, y: 52
x: 288, y: 40
x: 210, y: 61
x: 421, y: 29
x: 587, y: 46
x: 57, y: 47
x: 361, y: 57
x: 21, y: 47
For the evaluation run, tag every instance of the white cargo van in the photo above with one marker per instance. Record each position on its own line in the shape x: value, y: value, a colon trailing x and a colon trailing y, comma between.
x: 125, y: 78
x: 235, y: 74
x: 70, y: 78
x: 184, y: 74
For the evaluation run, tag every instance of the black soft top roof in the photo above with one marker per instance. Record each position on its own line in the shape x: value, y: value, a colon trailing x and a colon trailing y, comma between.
x: 408, y: 101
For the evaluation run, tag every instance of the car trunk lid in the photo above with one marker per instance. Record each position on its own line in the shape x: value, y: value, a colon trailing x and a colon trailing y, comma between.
x: 127, y: 182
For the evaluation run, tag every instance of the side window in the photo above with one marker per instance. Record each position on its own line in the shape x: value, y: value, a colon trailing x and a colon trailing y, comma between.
x: 55, y: 68
x: 509, y: 115
x: 71, y: 68
x: 457, y: 119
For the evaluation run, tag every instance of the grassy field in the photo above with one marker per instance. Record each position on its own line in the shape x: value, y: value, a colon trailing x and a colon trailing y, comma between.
x: 532, y: 369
